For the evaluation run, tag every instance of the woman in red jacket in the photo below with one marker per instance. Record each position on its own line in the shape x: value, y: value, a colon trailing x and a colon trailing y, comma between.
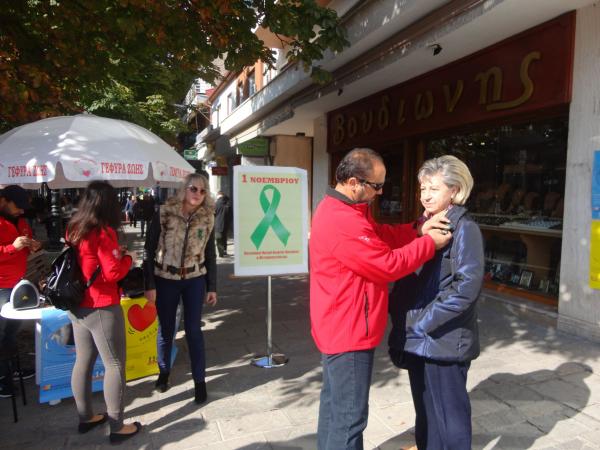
x: 98, y: 323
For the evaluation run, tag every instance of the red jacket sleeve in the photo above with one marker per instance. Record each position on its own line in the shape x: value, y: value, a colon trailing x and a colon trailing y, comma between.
x: 396, y: 236
x: 366, y: 254
x: 7, y: 252
x: 114, y: 266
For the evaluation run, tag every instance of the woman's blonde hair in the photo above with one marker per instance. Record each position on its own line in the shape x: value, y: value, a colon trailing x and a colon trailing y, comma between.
x: 209, y: 201
x: 454, y: 172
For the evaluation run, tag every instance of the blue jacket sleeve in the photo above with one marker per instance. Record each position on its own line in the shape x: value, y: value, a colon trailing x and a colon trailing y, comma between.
x: 463, y: 290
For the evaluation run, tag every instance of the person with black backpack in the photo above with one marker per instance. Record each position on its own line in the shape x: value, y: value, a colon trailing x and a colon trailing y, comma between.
x: 98, y: 322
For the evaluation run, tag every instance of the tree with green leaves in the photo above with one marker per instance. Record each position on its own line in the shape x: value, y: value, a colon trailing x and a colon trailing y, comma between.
x: 132, y: 59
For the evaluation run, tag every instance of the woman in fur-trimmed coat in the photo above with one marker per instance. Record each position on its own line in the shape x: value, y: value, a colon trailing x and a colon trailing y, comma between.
x: 180, y: 263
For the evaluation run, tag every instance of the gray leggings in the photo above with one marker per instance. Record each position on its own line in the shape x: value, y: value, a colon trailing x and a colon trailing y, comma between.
x: 99, y: 330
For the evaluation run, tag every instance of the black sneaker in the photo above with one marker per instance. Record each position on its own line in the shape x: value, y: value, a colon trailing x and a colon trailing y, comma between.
x: 5, y: 392
x: 26, y: 373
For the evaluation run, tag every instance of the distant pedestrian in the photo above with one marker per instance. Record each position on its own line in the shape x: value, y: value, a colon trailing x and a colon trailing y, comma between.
x: 222, y: 222
x: 180, y: 264
x: 98, y: 322
x: 147, y: 209
x: 128, y: 209
x: 132, y: 211
x: 136, y: 211
x: 434, y: 316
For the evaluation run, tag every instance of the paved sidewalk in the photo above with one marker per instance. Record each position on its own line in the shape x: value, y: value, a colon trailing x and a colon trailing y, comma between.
x: 532, y: 387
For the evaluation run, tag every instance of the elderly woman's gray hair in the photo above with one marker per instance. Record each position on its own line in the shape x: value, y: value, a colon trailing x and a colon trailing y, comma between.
x: 454, y: 173
x: 209, y: 201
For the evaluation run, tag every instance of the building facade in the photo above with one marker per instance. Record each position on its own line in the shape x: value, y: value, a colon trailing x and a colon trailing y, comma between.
x: 510, y: 87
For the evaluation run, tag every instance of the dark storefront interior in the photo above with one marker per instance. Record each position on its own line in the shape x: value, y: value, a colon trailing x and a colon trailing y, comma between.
x: 519, y: 173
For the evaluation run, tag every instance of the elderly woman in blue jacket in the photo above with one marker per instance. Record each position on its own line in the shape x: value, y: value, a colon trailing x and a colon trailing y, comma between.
x: 434, y: 316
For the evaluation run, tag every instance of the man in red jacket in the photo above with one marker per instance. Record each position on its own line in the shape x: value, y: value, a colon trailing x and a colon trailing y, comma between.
x: 16, y: 242
x: 352, y: 260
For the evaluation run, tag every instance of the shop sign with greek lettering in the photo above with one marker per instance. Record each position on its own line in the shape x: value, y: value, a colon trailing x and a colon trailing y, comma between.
x: 270, y: 220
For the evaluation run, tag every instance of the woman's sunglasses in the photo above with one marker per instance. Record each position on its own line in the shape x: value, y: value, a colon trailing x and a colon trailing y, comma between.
x: 194, y: 189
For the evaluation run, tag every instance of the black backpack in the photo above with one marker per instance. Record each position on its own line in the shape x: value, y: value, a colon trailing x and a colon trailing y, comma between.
x: 65, y: 285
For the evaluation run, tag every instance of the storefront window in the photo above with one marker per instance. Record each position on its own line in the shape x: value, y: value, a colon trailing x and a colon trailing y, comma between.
x: 519, y: 173
x: 390, y: 203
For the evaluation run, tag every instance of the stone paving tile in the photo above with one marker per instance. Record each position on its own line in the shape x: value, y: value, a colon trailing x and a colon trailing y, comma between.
x: 186, y: 434
x: 499, y: 420
x: 518, y: 436
x: 377, y: 429
x: 255, y: 441
x: 398, y: 417
x: 592, y: 411
x: 513, y: 394
x: 544, y: 407
x: 592, y: 438
x: 482, y: 403
x: 575, y: 444
x: 574, y: 396
x: 303, y: 437
x: 252, y: 423
x: 560, y: 426
x: 588, y: 421
x: 398, y: 441
x: 300, y: 415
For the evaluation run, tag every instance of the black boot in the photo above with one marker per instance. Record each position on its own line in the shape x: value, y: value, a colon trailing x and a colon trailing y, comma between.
x: 162, y: 383
x: 200, y: 392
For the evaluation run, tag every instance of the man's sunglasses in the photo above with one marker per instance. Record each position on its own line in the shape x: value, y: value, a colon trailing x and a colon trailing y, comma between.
x: 376, y: 186
x: 193, y: 189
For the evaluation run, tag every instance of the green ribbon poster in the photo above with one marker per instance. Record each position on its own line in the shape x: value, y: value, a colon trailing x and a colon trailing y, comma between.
x: 270, y: 220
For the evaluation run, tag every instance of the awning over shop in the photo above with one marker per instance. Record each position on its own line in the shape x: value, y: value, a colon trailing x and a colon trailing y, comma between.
x: 223, y: 147
x: 204, y: 151
x: 258, y: 146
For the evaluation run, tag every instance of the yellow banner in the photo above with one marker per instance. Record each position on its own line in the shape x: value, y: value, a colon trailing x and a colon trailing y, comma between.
x: 141, y: 327
x: 595, y: 255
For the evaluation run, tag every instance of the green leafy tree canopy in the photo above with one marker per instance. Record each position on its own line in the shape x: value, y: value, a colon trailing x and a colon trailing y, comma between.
x: 135, y: 57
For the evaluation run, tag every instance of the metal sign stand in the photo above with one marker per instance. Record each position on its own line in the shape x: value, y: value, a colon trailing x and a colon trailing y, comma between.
x: 270, y: 360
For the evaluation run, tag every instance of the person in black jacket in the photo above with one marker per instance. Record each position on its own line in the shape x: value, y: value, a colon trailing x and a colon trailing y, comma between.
x: 222, y: 222
x: 146, y: 206
x: 433, y: 312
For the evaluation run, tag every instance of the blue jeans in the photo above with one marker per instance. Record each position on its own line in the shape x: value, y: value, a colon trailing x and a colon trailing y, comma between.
x: 344, y: 407
x: 439, y: 391
x: 168, y: 293
x: 8, y: 332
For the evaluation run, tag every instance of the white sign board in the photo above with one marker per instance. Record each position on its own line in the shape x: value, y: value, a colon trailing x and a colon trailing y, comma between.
x: 270, y: 219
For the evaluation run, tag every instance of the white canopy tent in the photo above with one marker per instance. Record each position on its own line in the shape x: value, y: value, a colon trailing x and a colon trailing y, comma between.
x: 71, y: 151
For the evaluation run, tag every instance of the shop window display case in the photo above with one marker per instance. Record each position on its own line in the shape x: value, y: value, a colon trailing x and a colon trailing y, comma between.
x: 517, y: 199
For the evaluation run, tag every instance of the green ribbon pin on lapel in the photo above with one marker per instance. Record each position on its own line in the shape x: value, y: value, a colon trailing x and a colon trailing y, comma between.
x: 270, y: 220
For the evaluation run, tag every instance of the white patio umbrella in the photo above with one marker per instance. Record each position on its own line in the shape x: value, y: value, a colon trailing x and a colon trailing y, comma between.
x: 70, y: 151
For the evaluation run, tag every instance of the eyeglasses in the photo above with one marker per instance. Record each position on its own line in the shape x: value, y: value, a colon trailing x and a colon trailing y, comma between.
x: 194, y: 189
x: 376, y: 186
